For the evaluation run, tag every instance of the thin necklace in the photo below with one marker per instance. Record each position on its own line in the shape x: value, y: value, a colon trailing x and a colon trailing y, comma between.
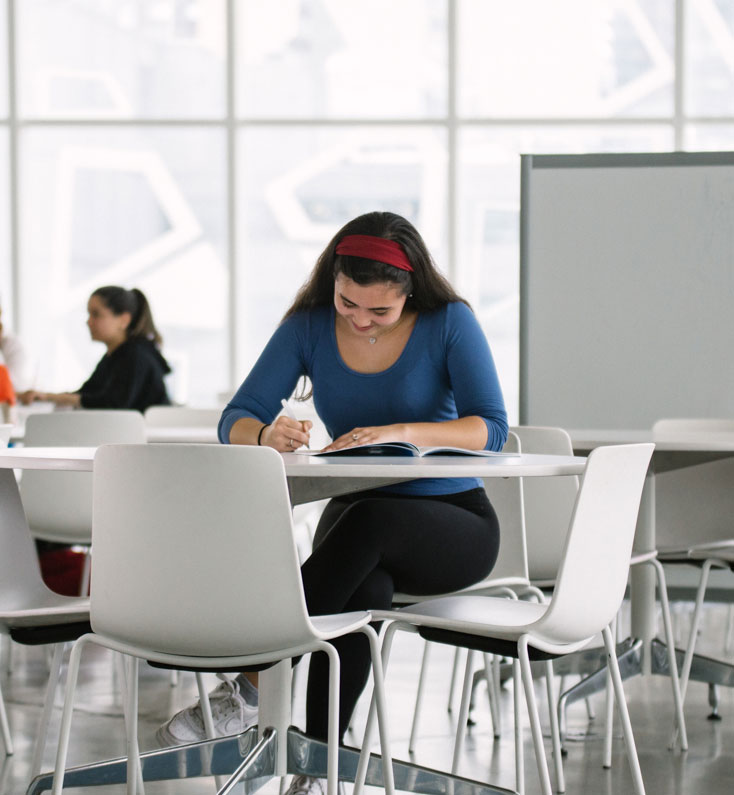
x: 373, y: 340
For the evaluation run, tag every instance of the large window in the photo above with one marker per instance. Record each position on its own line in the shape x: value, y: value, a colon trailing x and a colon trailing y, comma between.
x: 206, y: 150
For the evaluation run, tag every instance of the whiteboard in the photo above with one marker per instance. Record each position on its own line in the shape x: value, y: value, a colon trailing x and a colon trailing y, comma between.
x: 626, y: 288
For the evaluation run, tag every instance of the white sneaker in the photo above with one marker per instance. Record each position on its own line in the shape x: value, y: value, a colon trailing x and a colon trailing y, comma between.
x: 307, y: 785
x: 231, y: 714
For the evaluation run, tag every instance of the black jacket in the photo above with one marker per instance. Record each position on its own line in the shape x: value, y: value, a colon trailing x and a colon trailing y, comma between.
x: 131, y: 377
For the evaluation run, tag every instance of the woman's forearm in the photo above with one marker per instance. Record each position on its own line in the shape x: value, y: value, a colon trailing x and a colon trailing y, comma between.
x: 467, y: 432
x: 72, y: 399
x: 245, y: 431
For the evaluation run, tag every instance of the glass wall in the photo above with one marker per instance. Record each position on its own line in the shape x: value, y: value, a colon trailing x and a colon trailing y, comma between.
x: 207, y: 150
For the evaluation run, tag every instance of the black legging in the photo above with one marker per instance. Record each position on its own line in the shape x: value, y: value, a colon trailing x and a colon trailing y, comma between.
x: 369, y: 545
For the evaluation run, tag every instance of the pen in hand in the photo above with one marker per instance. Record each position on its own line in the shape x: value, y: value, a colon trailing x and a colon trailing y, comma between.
x: 289, y: 413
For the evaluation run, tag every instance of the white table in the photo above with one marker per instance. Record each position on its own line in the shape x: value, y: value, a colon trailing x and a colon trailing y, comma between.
x: 672, y: 452
x: 310, y: 478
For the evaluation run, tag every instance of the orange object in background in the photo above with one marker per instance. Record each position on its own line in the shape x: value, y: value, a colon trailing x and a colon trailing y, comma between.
x: 7, y: 394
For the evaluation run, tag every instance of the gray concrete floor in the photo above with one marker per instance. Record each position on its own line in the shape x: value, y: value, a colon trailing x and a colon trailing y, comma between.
x: 707, y: 767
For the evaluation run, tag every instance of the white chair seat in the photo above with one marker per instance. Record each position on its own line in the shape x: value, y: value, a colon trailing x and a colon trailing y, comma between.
x: 332, y: 626
x: 51, y: 609
x: 479, y: 615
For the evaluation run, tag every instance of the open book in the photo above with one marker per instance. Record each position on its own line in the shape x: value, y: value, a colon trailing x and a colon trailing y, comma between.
x: 405, y: 449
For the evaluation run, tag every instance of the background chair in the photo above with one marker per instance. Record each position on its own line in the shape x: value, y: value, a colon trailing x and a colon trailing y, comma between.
x: 30, y: 613
x: 595, y: 560
x: 59, y: 504
x: 548, y: 506
x: 181, y: 416
x: 185, y: 604
x: 711, y: 553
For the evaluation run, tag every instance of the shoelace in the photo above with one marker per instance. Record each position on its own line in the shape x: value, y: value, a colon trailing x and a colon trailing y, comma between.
x: 221, y: 700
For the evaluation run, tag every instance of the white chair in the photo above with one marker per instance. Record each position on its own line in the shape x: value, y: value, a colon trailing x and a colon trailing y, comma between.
x: 30, y: 613
x: 510, y: 578
x: 186, y: 604
x: 706, y: 555
x: 59, y: 504
x: 595, y: 561
x: 181, y: 417
x: 548, y: 506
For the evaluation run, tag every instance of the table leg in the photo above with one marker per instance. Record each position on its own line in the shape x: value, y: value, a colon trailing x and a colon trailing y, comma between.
x: 255, y: 762
x: 642, y: 578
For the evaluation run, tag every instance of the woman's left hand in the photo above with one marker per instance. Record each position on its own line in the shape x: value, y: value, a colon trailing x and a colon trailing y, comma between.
x: 369, y: 435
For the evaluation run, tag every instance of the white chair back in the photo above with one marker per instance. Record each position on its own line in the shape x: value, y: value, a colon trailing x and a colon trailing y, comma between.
x: 181, y: 417
x: 596, y: 555
x: 20, y: 574
x: 58, y: 505
x: 182, y: 529
x: 506, y: 496
x: 548, y: 503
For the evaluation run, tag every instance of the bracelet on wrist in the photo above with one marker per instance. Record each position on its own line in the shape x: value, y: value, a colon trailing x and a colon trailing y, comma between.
x: 259, y: 436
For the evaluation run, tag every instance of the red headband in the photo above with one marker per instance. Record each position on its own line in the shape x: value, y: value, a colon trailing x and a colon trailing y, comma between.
x: 374, y: 248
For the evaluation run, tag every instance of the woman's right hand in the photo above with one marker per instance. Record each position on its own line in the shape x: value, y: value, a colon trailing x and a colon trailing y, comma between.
x: 287, y: 435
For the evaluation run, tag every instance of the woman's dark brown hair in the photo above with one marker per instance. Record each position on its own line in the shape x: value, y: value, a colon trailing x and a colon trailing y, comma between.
x: 425, y: 287
x: 119, y: 300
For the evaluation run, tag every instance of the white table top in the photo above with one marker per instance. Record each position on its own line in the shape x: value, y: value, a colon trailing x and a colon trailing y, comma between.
x: 187, y: 434
x: 81, y: 459
x: 587, y: 439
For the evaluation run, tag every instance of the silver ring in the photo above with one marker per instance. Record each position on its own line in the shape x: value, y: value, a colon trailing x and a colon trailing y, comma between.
x: 290, y: 443
x: 355, y: 436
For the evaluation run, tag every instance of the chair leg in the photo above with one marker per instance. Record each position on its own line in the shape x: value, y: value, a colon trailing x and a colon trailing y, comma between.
x: 519, y: 750
x: 695, y: 621
x: 537, y: 732
x: 380, y: 700
x: 452, y: 684
x: 332, y: 763
x: 554, y: 727
x: 208, y: 720
x: 672, y: 663
x: 629, y: 740
x: 492, y: 693
x: 206, y: 708
x: 48, y: 705
x: 364, y: 757
x: 463, y: 712
x: 131, y: 726
x: 608, y: 722
x: 5, y: 727
x: 609, y: 705
x: 65, y: 730
x: 419, y: 696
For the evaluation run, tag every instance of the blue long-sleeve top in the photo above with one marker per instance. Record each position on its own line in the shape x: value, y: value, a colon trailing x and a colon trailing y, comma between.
x: 445, y: 371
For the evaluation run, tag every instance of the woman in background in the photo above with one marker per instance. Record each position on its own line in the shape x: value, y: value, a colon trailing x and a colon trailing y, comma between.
x: 130, y: 375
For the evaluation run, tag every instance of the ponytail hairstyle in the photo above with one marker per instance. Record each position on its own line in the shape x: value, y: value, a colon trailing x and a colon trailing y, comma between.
x: 119, y: 300
x: 425, y: 286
